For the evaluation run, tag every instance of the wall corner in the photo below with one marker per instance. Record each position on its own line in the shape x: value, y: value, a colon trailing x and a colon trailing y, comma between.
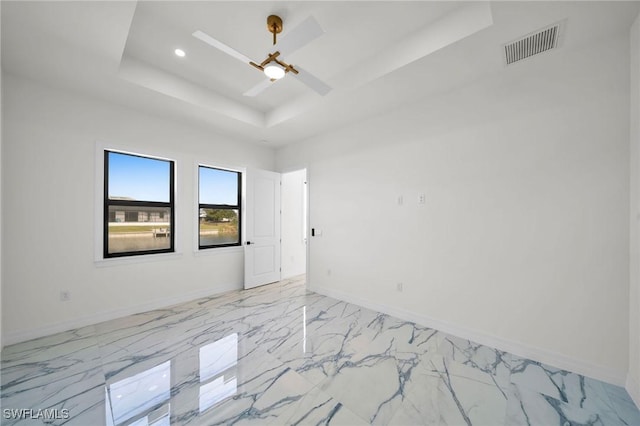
x: 633, y: 377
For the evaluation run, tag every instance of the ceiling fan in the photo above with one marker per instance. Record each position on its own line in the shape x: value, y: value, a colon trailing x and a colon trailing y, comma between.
x: 274, y: 66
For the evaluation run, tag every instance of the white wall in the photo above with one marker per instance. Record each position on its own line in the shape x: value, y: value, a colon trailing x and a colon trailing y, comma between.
x: 294, y: 248
x: 49, y: 148
x: 523, y: 241
x: 633, y: 380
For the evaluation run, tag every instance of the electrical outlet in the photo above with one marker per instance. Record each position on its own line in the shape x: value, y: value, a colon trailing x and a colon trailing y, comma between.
x: 422, y: 199
x: 328, y: 272
x: 399, y: 287
x: 65, y: 295
x: 400, y: 200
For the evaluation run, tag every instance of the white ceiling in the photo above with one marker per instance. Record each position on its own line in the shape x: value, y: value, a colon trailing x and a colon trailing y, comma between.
x: 376, y: 55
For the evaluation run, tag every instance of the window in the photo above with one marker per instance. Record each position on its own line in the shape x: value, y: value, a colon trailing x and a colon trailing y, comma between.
x: 219, y: 207
x: 138, y: 205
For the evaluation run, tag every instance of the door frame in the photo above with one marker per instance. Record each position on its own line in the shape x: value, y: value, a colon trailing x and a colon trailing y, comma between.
x: 307, y: 215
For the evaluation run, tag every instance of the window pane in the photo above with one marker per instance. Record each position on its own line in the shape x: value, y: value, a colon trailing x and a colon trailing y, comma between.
x: 133, y: 228
x: 138, y: 178
x: 218, y: 186
x: 218, y: 226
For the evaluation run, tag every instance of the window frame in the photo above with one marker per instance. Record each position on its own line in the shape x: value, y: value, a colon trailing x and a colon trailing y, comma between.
x: 237, y: 207
x: 107, y: 202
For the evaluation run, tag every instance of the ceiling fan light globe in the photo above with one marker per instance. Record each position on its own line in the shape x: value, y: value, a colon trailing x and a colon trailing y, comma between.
x: 274, y: 71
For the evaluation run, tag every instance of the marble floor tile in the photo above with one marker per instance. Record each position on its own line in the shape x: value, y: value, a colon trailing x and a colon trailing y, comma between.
x: 496, y: 365
x: 446, y: 399
x: 569, y: 388
x: 57, y: 378
x: 623, y: 408
x: 526, y: 407
x: 317, y: 408
x: 282, y: 355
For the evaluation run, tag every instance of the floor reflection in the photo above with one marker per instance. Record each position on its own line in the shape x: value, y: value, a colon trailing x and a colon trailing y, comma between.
x: 128, y: 400
x: 144, y: 398
x: 217, y: 371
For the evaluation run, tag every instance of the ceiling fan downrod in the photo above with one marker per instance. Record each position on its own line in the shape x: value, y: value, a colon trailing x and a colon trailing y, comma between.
x: 274, y: 25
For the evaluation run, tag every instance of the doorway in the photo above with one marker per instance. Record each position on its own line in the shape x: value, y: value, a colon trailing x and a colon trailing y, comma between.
x: 294, y: 223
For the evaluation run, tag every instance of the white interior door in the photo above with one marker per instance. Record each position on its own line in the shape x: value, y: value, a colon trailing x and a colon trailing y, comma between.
x: 262, y: 244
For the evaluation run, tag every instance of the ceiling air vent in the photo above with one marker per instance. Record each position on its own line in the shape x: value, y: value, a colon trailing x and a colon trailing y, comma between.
x: 537, y: 42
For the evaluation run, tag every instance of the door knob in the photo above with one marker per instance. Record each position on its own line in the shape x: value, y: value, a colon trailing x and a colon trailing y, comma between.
x: 248, y: 243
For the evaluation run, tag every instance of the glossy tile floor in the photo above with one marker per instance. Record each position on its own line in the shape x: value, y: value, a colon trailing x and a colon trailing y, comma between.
x: 280, y: 354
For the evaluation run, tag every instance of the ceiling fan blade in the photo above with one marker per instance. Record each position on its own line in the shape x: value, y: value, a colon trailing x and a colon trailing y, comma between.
x: 258, y: 88
x: 312, y: 81
x: 220, y: 46
x: 304, y: 33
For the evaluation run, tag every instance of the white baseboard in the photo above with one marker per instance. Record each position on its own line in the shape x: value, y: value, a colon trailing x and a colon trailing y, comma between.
x: 633, y: 387
x: 520, y: 349
x: 18, y: 336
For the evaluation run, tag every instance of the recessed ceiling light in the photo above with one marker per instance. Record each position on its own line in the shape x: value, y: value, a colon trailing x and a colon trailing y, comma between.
x: 180, y: 53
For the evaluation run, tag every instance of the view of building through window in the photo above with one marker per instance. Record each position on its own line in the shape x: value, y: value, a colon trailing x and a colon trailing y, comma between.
x: 138, y: 205
x: 219, y: 207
